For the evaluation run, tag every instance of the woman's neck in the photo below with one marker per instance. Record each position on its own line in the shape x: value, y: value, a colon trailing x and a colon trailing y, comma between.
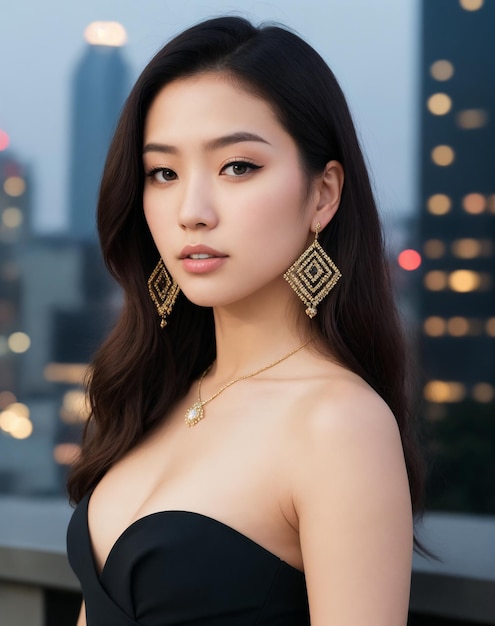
x: 254, y: 333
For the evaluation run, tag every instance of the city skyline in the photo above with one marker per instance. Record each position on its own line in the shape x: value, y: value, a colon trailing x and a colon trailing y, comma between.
x: 371, y: 48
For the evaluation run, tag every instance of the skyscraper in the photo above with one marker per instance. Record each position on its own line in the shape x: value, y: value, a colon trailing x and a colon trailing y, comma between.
x: 99, y: 89
x: 14, y: 228
x: 457, y: 231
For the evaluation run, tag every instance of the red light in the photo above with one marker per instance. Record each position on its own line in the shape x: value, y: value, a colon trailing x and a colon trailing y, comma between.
x: 409, y: 260
x: 4, y: 140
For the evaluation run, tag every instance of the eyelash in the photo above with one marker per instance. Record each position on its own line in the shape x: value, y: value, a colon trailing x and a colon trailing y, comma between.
x: 242, y: 162
x: 155, y: 170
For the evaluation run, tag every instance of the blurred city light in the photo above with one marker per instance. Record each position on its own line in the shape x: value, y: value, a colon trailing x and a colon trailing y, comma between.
x: 439, y: 104
x: 434, y: 326
x: 471, y: 5
x: 110, y: 34
x: 458, y: 326
x: 4, y: 140
x: 467, y: 248
x: 409, y: 260
x: 442, y: 70
x: 15, y: 421
x: 443, y: 155
x: 22, y: 428
x: 12, y: 217
x: 14, y: 186
x: 435, y: 280
x: 75, y: 407
x: 20, y: 409
x: 470, y: 119
x: 444, y: 391
x: 69, y: 373
x: 464, y: 281
x: 474, y: 203
x: 7, y: 420
x: 66, y: 453
x: 439, y: 204
x: 19, y: 342
x: 484, y: 392
x: 434, y: 248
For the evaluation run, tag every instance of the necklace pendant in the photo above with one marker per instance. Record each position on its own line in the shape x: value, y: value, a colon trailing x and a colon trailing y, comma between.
x: 194, y: 414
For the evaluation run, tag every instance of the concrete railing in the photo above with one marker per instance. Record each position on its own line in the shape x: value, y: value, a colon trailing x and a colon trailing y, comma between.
x: 461, y: 584
x: 38, y: 588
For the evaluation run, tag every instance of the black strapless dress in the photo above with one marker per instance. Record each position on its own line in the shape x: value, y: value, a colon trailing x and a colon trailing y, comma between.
x: 179, y: 568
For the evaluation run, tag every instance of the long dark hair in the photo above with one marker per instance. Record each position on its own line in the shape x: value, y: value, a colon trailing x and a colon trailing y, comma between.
x: 142, y: 370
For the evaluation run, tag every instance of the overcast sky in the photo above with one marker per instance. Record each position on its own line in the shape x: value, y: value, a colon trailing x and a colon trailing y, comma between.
x: 371, y: 46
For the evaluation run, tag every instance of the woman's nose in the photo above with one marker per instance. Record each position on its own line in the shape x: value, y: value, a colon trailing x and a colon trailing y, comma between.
x: 197, y: 208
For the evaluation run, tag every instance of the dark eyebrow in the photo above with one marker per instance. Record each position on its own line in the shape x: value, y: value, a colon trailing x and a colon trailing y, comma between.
x: 213, y: 144
x: 228, y: 140
x: 159, y: 147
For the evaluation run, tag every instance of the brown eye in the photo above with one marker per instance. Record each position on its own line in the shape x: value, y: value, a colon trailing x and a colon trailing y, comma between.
x: 239, y: 168
x: 162, y: 175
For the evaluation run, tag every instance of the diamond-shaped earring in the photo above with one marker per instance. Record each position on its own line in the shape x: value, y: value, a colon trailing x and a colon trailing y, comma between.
x: 313, y: 275
x: 163, y: 291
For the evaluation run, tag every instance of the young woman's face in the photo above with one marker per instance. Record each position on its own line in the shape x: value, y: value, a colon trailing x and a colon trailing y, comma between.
x: 225, y: 195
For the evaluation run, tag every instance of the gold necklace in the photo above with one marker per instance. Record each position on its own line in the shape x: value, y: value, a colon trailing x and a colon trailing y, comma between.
x: 196, y: 413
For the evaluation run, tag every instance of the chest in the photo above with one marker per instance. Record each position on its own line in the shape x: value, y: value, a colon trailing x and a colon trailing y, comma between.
x: 234, y: 471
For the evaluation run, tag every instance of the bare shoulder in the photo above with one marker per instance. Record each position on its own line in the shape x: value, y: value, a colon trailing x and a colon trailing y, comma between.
x: 351, y: 495
x: 347, y: 431
x: 340, y: 404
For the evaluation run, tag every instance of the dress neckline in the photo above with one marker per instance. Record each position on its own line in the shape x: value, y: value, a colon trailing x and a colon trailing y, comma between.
x: 151, y: 517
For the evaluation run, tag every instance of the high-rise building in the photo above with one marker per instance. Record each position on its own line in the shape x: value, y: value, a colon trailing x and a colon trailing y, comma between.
x: 100, y: 85
x: 14, y: 229
x: 457, y: 232
x: 56, y: 299
x: 99, y: 88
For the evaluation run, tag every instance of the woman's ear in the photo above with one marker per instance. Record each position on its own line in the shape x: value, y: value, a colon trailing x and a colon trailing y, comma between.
x: 328, y: 193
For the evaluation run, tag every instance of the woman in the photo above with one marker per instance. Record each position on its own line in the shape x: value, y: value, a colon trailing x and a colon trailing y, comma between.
x: 250, y: 457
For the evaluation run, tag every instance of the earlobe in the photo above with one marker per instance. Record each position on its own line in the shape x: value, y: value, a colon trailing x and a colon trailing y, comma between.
x: 330, y: 184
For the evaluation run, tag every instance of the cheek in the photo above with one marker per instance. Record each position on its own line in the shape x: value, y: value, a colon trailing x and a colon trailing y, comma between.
x: 156, y: 217
x: 275, y: 230
x: 277, y: 214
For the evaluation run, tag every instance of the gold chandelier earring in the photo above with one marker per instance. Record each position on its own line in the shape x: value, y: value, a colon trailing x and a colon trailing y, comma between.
x: 313, y: 275
x: 163, y: 291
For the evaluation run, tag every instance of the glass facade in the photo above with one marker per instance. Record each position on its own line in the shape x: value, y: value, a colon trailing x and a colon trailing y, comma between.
x: 457, y: 240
